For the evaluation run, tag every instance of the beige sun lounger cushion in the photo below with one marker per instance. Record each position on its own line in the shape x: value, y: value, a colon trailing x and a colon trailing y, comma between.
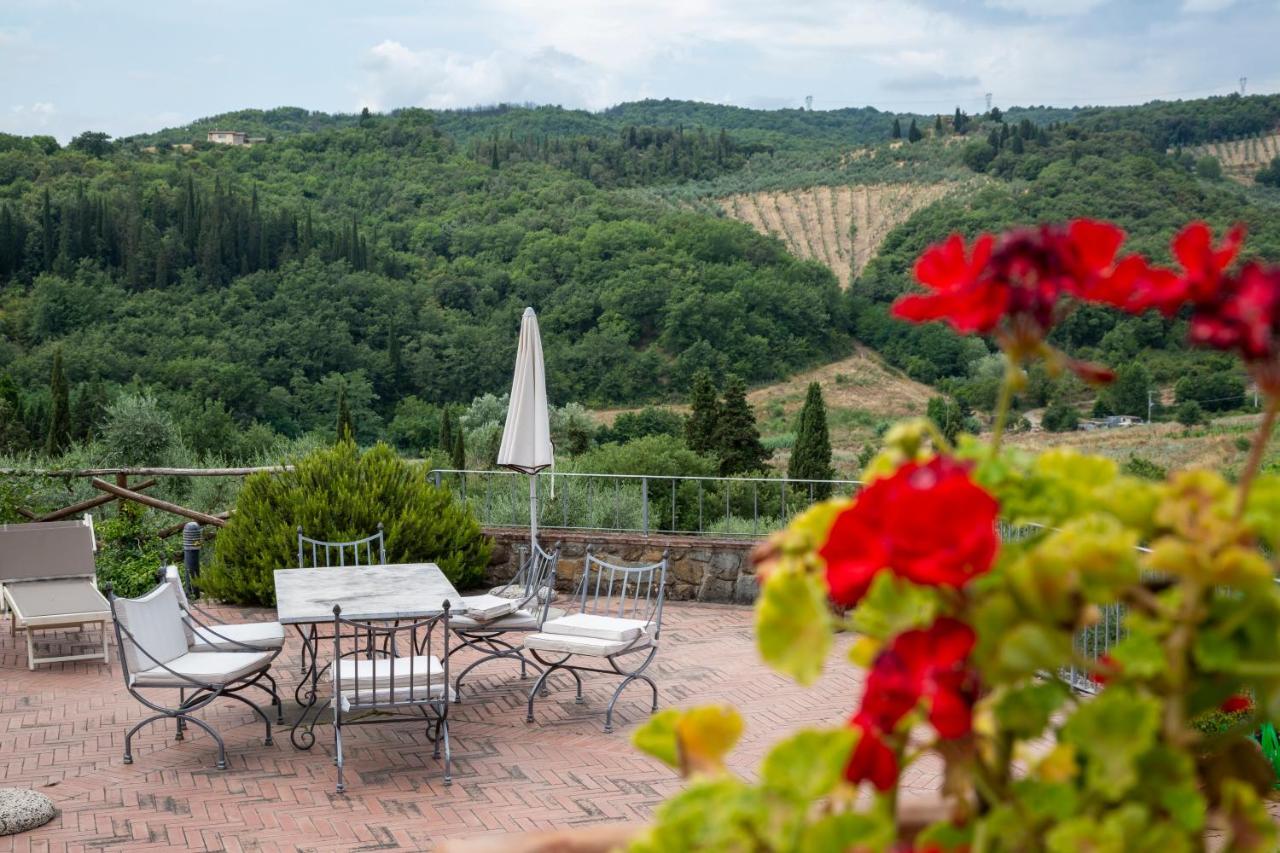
x: 68, y: 601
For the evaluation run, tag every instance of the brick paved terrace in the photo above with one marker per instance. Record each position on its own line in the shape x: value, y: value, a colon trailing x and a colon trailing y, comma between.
x: 62, y: 729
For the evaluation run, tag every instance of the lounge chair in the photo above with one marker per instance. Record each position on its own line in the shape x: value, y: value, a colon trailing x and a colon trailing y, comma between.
x: 47, y: 583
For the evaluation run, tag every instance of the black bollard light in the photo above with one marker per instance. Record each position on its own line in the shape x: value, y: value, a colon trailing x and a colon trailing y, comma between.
x: 191, y: 556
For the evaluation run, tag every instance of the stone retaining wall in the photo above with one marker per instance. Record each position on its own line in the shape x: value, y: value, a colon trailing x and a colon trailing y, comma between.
x: 701, y: 568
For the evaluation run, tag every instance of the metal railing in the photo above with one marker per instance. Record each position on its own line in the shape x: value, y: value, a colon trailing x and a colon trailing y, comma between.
x: 640, y: 503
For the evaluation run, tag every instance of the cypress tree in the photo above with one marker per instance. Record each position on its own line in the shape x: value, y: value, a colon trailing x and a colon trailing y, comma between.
x: 913, y: 133
x: 48, y: 236
x: 89, y: 411
x: 59, y: 435
x: 937, y: 125
x: 700, y: 429
x: 346, y: 428
x: 446, y: 431
x: 459, y: 450
x: 811, y: 455
x: 737, y: 438
x: 897, y: 129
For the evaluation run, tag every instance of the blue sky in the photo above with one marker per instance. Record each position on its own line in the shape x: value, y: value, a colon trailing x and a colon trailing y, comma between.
x: 128, y: 67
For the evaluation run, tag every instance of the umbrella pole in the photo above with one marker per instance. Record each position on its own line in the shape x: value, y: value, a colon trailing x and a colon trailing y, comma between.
x: 533, y: 514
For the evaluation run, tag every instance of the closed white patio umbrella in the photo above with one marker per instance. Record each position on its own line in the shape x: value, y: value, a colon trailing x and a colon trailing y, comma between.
x: 526, y: 439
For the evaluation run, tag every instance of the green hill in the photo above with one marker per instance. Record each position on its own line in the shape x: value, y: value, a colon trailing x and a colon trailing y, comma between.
x: 391, y: 255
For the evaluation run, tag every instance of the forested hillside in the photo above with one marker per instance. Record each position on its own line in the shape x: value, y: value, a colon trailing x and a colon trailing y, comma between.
x: 383, y: 260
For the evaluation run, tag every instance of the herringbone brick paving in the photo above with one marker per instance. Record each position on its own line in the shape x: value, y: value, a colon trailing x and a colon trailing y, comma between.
x: 62, y: 731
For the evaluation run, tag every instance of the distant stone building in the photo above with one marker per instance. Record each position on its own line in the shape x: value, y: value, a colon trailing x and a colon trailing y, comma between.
x: 228, y: 137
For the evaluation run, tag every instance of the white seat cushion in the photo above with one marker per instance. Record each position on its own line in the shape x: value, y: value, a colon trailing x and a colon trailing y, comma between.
x: 386, y: 696
x: 224, y: 638
x: 204, y: 667
x: 486, y: 608
x: 594, y: 646
x: 379, y: 673
x: 598, y: 627
x: 520, y: 620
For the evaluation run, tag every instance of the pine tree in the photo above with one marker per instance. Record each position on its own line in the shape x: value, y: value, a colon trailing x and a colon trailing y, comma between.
x: 913, y: 133
x: 700, y: 429
x: 897, y: 129
x: 1017, y: 145
x: 811, y: 454
x: 346, y: 428
x: 737, y: 439
x: 59, y: 435
x: 459, y: 450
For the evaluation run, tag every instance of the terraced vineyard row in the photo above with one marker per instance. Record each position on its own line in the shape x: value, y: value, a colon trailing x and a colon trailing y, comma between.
x: 840, y: 226
x: 1241, y: 159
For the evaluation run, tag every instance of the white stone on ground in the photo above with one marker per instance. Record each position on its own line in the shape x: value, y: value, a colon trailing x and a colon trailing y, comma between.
x: 21, y: 810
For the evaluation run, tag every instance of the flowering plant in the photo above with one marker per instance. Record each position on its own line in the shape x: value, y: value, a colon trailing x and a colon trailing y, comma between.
x: 980, y: 647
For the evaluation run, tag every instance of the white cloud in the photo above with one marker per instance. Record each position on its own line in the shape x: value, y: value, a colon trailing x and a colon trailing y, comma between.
x: 398, y: 76
x: 28, y: 118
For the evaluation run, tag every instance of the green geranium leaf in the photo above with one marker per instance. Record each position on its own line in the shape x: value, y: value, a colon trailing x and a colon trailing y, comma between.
x: 1024, y: 711
x: 720, y: 813
x: 808, y: 765
x: 1030, y: 648
x: 893, y: 605
x: 657, y: 737
x: 1047, y: 801
x: 1112, y: 732
x: 793, y: 624
x: 1139, y: 655
x: 1084, y: 833
x: 840, y: 833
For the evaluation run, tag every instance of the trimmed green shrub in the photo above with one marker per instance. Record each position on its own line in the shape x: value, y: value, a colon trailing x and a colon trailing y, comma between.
x: 340, y: 493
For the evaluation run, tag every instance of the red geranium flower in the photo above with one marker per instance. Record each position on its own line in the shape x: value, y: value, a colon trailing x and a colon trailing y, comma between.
x: 872, y: 760
x: 1203, y: 271
x: 929, y: 665
x: 929, y: 523
x: 1022, y: 278
x: 1245, y: 315
x: 1236, y: 703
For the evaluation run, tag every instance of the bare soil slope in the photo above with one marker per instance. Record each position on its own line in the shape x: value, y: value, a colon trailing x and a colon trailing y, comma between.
x: 840, y: 226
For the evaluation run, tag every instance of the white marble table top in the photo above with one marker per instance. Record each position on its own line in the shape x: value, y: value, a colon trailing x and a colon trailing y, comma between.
x: 371, y: 593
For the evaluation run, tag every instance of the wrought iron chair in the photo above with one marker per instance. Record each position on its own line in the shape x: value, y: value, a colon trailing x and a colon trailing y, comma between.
x: 519, y: 606
x: 617, y: 622
x: 156, y: 651
x: 208, y: 633
x: 319, y: 548
x: 322, y: 553
x: 394, y: 688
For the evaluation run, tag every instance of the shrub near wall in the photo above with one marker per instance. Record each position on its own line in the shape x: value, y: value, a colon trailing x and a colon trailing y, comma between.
x: 340, y: 493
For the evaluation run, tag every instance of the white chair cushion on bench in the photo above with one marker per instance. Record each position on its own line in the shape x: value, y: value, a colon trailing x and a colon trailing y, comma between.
x: 487, y: 607
x: 204, y: 667
x: 599, y: 627
x: 219, y: 638
x: 571, y: 645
